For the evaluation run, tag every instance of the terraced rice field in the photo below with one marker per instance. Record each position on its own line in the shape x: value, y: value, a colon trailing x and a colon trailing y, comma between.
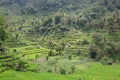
x: 96, y: 72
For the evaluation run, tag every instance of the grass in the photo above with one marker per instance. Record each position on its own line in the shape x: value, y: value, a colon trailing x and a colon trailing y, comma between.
x: 101, y: 72
x: 96, y: 72
x: 30, y: 54
x: 30, y: 51
x: 85, y: 71
x: 12, y: 75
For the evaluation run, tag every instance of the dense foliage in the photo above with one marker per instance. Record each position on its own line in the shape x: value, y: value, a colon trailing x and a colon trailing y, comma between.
x: 64, y: 31
x: 3, y: 34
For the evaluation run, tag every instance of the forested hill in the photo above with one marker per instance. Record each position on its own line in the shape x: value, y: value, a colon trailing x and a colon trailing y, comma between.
x: 39, y: 6
x: 61, y: 14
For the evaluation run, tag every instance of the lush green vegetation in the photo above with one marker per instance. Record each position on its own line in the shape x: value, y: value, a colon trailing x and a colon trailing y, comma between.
x: 96, y: 72
x: 60, y: 39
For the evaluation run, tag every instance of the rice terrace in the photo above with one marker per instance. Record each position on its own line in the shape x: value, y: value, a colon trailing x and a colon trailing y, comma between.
x: 59, y: 39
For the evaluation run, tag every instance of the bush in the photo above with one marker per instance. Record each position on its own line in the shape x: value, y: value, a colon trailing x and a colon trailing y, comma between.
x: 51, y: 53
x: 97, y: 38
x: 107, y: 61
x: 51, y: 44
x: 30, y: 10
x: 70, y: 57
x: 93, y: 51
x: 2, y: 69
x: 22, y: 65
x: 79, y: 79
x: 85, y: 42
x: 78, y: 42
x: 78, y: 52
x: 62, y: 71
x: 73, y: 69
x: 50, y: 71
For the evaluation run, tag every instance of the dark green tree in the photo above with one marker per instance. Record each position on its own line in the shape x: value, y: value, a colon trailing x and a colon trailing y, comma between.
x: 3, y: 34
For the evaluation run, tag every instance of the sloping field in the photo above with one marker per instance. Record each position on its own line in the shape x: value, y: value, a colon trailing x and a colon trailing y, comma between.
x: 97, y: 71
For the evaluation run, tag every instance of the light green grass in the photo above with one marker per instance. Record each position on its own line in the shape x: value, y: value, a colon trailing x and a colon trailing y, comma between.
x: 96, y: 72
x: 12, y: 75
x: 30, y: 51
x: 101, y: 72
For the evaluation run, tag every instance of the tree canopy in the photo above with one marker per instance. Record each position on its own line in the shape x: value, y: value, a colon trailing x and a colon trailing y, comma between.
x: 3, y: 34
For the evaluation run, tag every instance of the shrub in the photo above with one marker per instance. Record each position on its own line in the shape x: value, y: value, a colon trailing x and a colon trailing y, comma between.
x: 84, y: 42
x: 62, y: 71
x: 30, y: 10
x: 22, y: 65
x: 70, y: 57
x: 51, y: 44
x: 78, y: 52
x: 78, y: 42
x: 79, y: 79
x: 60, y: 48
x: 93, y: 51
x: 51, y: 53
x: 29, y: 48
x: 107, y: 61
x: 73, y: 69
x: 36, y: 56
x: 2, y: 69
x: 97, y: 38
x: 50, y: 71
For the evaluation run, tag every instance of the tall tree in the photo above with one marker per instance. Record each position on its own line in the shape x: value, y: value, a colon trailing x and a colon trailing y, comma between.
x: 3, y: 34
